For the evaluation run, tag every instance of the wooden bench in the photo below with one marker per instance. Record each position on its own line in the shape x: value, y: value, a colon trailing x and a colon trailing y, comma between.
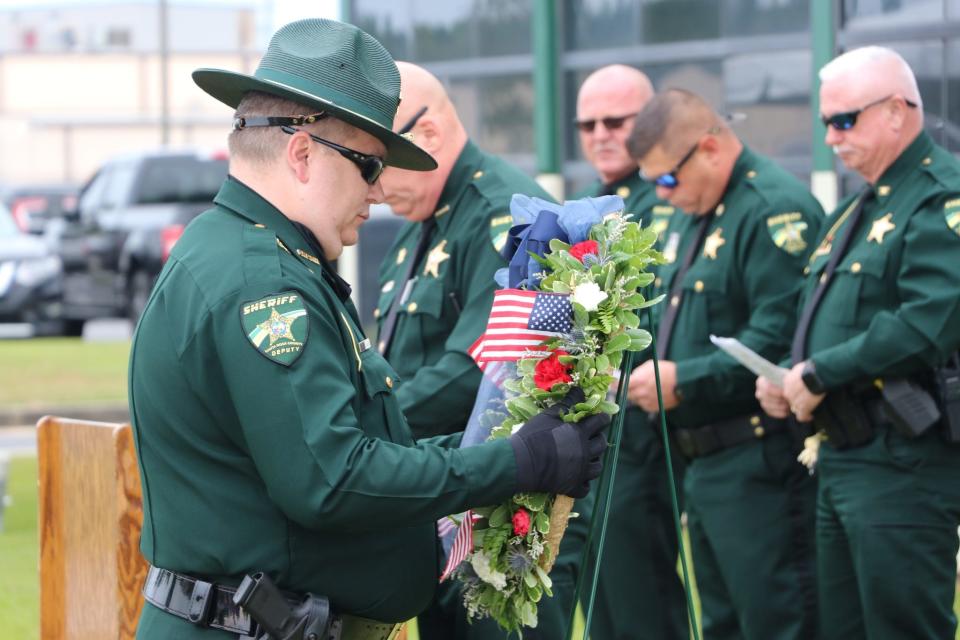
x: 91, y: 514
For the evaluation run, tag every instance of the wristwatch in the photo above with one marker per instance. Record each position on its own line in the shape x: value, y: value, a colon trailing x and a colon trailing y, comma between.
x: 810, y: 378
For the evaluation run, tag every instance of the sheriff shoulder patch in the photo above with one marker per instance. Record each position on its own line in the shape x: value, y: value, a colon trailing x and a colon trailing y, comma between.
x: 951, y: 211
x: 787, y: 229
x: 277, y: 326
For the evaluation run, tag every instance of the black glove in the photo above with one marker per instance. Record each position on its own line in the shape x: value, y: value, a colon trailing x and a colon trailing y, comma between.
x: 554, y: 456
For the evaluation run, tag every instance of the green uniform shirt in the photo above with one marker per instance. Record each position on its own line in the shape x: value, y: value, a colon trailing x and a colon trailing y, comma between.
x: 278, y: 444
x: 448, y: 298
x: 639, y: 198
x: 893, y: 306
x: 743, y: 283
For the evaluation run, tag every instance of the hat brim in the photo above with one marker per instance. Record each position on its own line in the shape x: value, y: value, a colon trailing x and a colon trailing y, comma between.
x: 228, y: 87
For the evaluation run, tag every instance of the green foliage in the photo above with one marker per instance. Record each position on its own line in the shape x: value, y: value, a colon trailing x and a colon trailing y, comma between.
x: 606, y: 294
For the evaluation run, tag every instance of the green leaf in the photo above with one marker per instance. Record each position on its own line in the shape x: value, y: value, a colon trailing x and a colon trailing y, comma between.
x: 542, y: 522
x: 532, y: 501
x: 639, y: 339
x: 609, y: 407
x: 499, y: 516
x: 522, y: 407
x: 618, y: 342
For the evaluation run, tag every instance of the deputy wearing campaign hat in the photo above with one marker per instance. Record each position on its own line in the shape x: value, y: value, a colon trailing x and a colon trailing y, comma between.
x: 283, y: 494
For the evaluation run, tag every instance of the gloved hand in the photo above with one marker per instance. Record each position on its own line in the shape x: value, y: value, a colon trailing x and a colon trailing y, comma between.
x: 554, y: 456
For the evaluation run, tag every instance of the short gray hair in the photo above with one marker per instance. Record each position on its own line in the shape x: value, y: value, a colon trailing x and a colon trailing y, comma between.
x: 891, y: 64
x: 262, y: 144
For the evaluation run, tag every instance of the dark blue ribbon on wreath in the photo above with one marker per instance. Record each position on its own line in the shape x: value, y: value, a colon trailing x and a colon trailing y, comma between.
x: 526, y: 239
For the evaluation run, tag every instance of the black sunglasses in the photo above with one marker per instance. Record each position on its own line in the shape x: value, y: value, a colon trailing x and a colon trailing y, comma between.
x: 370, y: 166
x: 846, y: 120
x: 611, y: 123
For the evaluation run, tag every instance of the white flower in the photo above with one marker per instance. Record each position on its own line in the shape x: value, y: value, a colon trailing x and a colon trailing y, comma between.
x: 481, y: 564
x: 589, y: 295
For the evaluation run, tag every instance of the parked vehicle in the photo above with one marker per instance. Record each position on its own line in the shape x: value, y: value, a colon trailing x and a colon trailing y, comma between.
x: 34, y: 206
x: 129, y: 216
x: 30, y: 280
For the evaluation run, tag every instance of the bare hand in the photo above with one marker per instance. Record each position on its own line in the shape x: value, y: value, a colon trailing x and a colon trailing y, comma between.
x: 771, y: 399
x: 802, y: 402
x: 643, y: 386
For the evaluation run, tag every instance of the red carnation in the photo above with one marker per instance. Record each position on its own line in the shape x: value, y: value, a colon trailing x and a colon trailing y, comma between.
x: 521, y: 522
x: 551, y: 371
x: 583, y: 248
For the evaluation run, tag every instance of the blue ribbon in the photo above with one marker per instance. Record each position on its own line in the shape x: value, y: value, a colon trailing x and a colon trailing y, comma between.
x: 524, y: 239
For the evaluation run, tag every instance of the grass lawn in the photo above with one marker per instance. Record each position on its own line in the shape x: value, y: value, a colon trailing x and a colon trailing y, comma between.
x: 62, y: 371
x: 19, y: 557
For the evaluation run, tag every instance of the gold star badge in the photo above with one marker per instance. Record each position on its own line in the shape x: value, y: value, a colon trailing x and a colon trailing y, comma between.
x: 712, y: 243
x: 277, y: 327
x: 436, y: 257
x: 880, y: 228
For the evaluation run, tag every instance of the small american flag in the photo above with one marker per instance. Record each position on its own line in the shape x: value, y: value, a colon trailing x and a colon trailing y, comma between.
x: 520, y: 321
x: 462, y: 545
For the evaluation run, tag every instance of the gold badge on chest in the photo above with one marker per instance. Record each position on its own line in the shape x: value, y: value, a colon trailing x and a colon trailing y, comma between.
x: 713, y: 243
x: 881, y: 227
x: 436, y: 257
x: 401, y: 255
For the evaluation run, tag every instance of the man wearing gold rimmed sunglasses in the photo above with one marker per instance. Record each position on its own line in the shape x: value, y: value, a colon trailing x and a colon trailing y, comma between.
x: 871, y: 362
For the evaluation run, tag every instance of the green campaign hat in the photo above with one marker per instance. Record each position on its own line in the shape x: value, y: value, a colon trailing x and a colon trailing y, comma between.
x: 333, y: 67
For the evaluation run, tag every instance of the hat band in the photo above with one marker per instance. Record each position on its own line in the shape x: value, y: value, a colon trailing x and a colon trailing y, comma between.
x: 324, y: 94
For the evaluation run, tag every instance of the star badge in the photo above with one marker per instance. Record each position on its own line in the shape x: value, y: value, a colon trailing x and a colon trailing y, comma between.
x: 277, y: 327
x: 436, y: 257
x: 881, y: 227
x: 712, y: 243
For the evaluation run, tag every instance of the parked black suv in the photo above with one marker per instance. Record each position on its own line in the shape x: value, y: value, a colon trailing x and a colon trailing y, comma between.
x: 129, y: 216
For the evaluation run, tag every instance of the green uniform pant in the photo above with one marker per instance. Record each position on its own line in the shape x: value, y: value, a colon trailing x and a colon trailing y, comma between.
x: 446, y: 618
x: 887, y: 516
x: 750, y: 514
x: 639, y: 593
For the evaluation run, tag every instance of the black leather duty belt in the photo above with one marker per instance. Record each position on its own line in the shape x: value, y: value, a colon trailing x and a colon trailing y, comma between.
x: 711, y: 438
x: 208, y: 604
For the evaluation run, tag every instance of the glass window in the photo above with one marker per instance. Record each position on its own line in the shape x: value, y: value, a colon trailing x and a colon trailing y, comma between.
x: 389, y: 22
x: 950, y: 134
x: 497, y: 112
x: 926, y: 60
x: 672, y: 20
x: 427, y: 30
x: 92, y: 196
x: 758, y: 17
x: 770, y: 95
x: 871, y: 14
x: 600, y: 24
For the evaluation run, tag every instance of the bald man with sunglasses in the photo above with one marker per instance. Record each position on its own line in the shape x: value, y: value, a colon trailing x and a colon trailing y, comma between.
x: 734, y: 260
x: 879, y: 319
x: 639, y: 594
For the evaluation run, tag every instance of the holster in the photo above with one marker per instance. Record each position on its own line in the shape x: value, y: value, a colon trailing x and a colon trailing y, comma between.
x: 948, y: 390
x: 843, y: 418
x: 909, y: 408
x: 279, y: 620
